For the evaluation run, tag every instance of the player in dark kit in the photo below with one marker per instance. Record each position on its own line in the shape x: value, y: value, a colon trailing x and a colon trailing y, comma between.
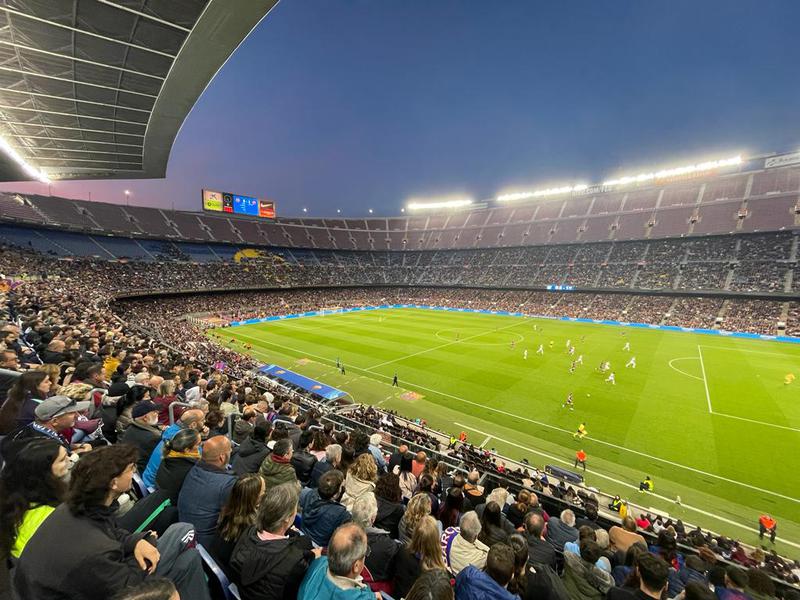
x: 394, y: 381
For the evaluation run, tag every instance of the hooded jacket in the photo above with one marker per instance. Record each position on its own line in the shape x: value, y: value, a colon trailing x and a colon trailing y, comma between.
x: 172, y: 472
x: 303, y: 463
x: 241, y: 430
x: 474, y: 584
x: 203, y: 494
x: 270, y: 570
x: 321, y: 517
x: 144, y: 437
x: 276, y: 472
x: 318, y: 586
x: 585, y: 581
x: 355, y: 488
x: 250, y: 456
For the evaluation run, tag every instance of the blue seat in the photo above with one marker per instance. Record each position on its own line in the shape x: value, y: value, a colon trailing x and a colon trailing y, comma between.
x: 139, y: 488
x: 221, y: 586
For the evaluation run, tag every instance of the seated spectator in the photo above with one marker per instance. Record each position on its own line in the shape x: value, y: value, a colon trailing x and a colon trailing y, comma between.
x: 652, y: 574
x: 698, y: 590
x: 562, y: 530
x: 303, y: 461
x: 206, y: 489
x: 165, y: 397
x: 622, y: 537
x: 244, y: 426
x: 238, y: 514
x: 337, y: 576
x: 408, y: 481
x: 143, y: 433
x: 26, y: 393
x: 152, y: 588
x: 461, y: 546
x: 253, y: 450
x: 32, y: 484
x: 390, y: 506
x: 735, y: 584
x: 103, y: 560
x: 271, y: 558
x: 693, y: 569
x: 432, y: 585
x: 516, y: 512
x: 492, y: 531
x: 322, y: 513
x: 421, y: 554
x: 418, y: 507
x: 540, y: 552
x: 375, y: 449
x: 623, y: 573
x: 474, y: 494
x: 760, y: 585
x: 491, y: 582
x: 331, y: 460
x: 191, y: 419
x: 180, y: 453
x: 54, y: 417
x: 582, y: 578
x: 360, y: 480
x: 590, y: 519
x: 519, y: 581
x: 425, y: 485
x: 382, y: 548
x: 453, y: 508
x: 587, y: 533
x: 276, y: 468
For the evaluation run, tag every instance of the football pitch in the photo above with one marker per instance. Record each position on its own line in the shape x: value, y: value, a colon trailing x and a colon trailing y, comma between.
x: 709, y: 418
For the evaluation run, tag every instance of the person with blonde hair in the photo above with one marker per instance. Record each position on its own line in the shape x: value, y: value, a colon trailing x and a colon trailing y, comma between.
x: 418, y: 507
x: 422, y: 553
x: 360, y: 480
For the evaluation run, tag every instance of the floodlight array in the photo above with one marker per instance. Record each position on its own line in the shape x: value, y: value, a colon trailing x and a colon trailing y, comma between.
x: 27, y: 167
x: 434, y: 204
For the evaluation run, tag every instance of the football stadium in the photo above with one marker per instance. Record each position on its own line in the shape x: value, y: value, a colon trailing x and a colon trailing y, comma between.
x: 569, y: 391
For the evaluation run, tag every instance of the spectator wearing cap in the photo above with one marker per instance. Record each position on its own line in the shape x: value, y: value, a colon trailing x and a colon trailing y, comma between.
x: 277, y: 468
x: 321, y: 509
x: 337, y: 576
x: 53, y: 417
x: 206, y: 488
x: 143, y: 432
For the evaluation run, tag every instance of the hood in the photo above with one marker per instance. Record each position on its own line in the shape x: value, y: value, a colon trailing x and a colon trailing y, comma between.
x: 263, y: 556
x: 355, y: 487
x: 270, y: 467
x: 242, y: 426
x: 250, y: 447
x: 478, y: 584
x: 588, y: 579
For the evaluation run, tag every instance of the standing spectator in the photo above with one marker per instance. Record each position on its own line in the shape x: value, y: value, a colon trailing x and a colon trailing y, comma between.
x: 418, y: 466
x: 143, y: 433
x: 582, y: 578
x: 390, y: 506
x: 562, y: 530
x: 382, y: 548
x: 238, y: 514
x: 277, y: 468
x: 244, y: 425
x: 303, y: 461
x: 271, y: 559
x: 32, y: 484
x: 540, y: 552
x: 408, y: 481
x: 104, y: 560
x: 418, y: 507
x: 337, y: 576
x: 461, y: 546
x: 422, y: 553
x: 206, y: 489
x: 253, y: 450
x: 491, y: 582
x: 181, y: 453
x: 332, y: 460
x: 360, y: 480
x: 322, y: 512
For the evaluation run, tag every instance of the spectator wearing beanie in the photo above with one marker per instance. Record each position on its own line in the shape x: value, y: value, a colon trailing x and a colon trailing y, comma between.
x: 143, y: 433
x: 277, y: 468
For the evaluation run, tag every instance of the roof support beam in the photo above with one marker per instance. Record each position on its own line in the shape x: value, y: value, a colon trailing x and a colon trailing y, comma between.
x: 117, y: 106
x: 66, y: 114
x: 145, y: 15
x: 74, y: 81
x: 17, y: 13
x: 75, y: 140
x: 45, y: 126
x: 110, y: 162
x: 43, y: 149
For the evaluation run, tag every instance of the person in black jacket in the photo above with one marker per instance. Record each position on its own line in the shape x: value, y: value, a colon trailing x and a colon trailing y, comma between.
x: 253, y: 449
x: 302, y: 460
x: 540, y: 552
x: 101, y: 559
x: 382, y: 547
x: 143, y: 433
x: 390, y: 504
x: 332, y: 460
x: 180, y: 454
x: 271, y: 558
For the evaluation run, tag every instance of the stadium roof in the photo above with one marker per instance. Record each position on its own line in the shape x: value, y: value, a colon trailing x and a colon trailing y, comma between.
x: 98, y: 89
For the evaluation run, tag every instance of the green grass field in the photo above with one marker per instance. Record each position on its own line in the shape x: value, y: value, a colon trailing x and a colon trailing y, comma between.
x: 709, y: 418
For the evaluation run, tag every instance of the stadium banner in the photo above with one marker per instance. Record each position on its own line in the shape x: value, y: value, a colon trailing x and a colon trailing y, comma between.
x: 306, y: 383
x: 782, y: 160
x: 720, y: 332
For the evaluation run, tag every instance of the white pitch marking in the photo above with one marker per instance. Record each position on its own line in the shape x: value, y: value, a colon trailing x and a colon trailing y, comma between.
x: 484, y: 442
x: 549, y: 426
x: 684, y: 372
x: 705, y: 380
x: 624, y: 483
x: 719, y: 414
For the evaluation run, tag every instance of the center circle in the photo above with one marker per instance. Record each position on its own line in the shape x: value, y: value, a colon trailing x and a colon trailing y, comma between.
x: 466, y: 333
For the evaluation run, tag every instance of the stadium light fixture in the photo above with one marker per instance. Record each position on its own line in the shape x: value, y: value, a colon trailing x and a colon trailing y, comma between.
x: 305, y: 210
x: 370, y: 211
x: 666, y: 173
x: 338, y: 211
x: 556, y: 191
x: 424, y: 205
x: 29, y: 169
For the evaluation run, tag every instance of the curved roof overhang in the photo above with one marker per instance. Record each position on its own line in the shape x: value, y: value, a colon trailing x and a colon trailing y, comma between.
x: 98, y: 89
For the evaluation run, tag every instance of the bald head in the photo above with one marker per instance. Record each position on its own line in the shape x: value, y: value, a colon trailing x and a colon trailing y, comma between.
x: 346, y: 550
x: 156, y: 381
x: 217, y: 451
x: 193, y: 419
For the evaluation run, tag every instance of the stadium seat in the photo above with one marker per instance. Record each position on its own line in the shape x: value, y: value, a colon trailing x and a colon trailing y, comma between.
x: 221, y: 586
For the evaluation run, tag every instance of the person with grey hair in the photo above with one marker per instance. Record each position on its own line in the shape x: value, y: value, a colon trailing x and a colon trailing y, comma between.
x: 271, y: 558
x: 375, y: 449
x: 338, y: 575
x: 332, y: 460
x: 382, y: 548
x: 562, y: 530
x: 461, y: 545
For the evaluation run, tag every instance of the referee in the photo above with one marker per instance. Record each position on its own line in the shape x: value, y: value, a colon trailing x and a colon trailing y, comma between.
x: 580, y: 458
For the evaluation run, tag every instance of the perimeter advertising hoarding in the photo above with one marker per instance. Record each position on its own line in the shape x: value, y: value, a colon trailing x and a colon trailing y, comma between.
x: 236, y: 204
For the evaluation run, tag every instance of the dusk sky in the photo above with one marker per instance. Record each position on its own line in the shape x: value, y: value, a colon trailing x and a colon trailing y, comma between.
x: 369, y: 103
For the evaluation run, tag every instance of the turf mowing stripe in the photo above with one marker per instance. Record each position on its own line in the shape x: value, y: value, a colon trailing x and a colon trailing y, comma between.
x: 624, y: 484
x: 705, y: 379
x: 261, y: 342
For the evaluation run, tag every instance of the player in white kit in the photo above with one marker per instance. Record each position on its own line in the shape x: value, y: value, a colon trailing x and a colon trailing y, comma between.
x: 540, y: 349
x: 525, y: 354
x: 631, y: 363
x: 627, y: 346
x: 611, y: 379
